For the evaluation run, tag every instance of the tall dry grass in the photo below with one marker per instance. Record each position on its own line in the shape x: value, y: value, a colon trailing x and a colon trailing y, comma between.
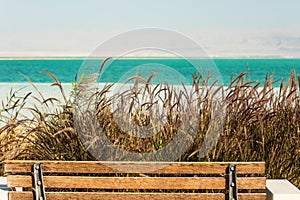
x: 261, y: 123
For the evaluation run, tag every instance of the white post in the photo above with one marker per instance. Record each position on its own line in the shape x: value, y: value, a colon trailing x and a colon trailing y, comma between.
x: 282, y: 190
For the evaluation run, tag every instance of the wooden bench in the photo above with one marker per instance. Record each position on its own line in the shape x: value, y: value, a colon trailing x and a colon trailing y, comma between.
x: 102, y: 180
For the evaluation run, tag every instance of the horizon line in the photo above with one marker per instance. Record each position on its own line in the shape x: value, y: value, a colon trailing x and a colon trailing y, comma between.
x: 73, y: 57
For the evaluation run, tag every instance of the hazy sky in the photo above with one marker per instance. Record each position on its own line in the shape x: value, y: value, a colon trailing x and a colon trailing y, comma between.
x: 223, y: 28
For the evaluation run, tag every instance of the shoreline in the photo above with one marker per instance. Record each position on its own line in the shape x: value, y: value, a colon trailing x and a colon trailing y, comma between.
x: 47, y: 90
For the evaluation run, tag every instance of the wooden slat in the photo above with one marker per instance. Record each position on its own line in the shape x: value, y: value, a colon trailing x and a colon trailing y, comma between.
x: 252, y: 196
x: 135, y: 167
x: 251, y: 182
x: 19, y: 181
x: 132, y: 196
x: 122, y: 182
x: 137, y: 182
x: 129, y: 196
x: 118, y: 196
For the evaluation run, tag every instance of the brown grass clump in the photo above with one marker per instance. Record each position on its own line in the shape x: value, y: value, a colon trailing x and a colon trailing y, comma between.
x: 48, y: 134
x: 261, y: 123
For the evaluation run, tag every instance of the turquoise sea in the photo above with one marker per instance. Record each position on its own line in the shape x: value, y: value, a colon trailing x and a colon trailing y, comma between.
x: 13, y: 70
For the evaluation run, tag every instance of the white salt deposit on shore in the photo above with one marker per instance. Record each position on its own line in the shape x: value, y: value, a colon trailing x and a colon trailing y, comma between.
x: 24, y: 88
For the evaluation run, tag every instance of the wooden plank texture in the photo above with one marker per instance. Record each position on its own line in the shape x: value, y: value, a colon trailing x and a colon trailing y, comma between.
x: 137, y: 182
x: 135, y: 167
x: 117, y: 196
x: 252, y: 196
x: 251, y: 183
x: 122, y: 182
x: 132, y: 196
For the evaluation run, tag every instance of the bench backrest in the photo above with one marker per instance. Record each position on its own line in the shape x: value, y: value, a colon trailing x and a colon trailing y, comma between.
x: 102, y: 180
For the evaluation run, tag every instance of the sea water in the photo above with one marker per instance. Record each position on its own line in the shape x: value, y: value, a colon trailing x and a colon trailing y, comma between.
x: 15, y: 70
x: 15, y: 73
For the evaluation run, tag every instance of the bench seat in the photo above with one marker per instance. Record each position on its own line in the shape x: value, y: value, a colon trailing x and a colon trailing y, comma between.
x: 125, y: 180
